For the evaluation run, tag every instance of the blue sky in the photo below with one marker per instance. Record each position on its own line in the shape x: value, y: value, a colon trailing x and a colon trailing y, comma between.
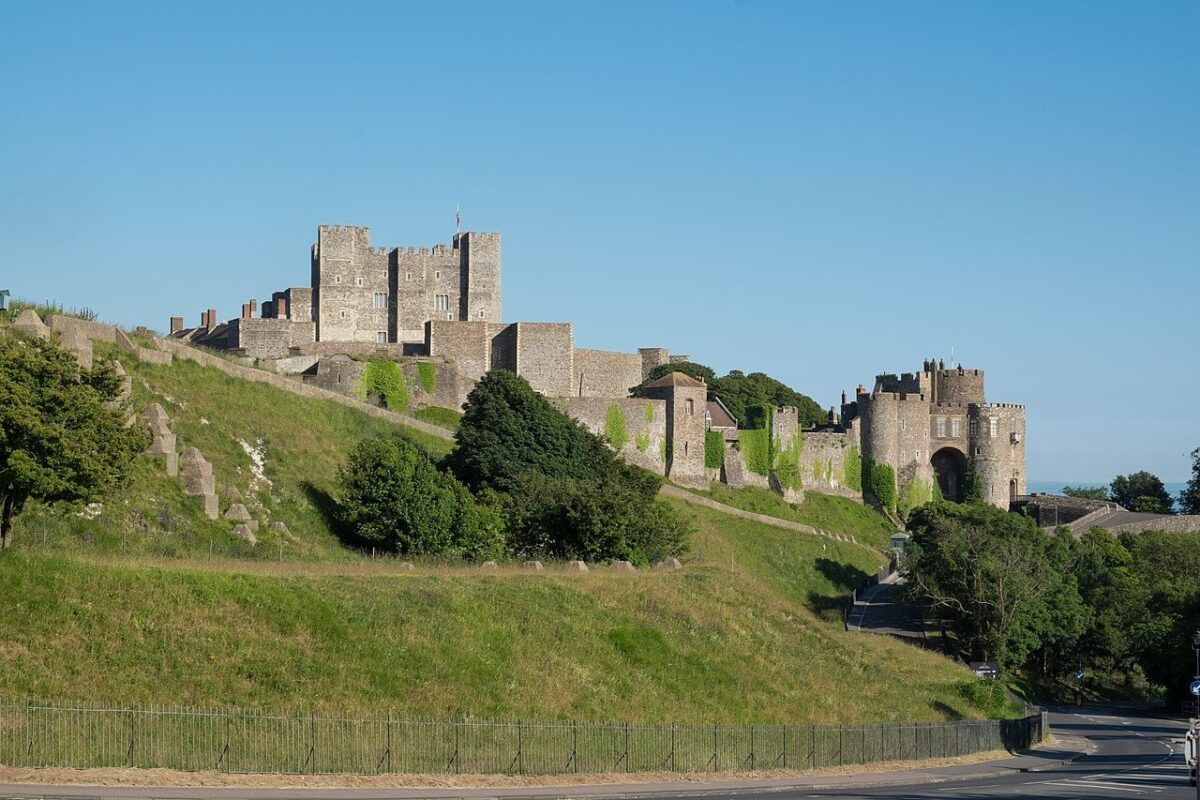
x: 817, y: 191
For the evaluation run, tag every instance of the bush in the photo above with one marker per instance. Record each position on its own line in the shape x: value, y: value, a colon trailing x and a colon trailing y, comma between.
x: 567, y: 518
x: 787, y: 463
x: 392, y: 495
x: 383, y: 378
x: 714, y: 450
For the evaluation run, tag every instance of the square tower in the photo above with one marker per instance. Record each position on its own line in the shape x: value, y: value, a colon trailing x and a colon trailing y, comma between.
x: 351, y: 286
x: 687, y: 399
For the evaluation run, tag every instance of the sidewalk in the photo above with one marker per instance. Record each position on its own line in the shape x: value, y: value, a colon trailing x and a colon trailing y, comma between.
x: 1062, y: 751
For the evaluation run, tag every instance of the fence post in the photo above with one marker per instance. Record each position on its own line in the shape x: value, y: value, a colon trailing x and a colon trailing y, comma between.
x: 751, y: 748
x: 672, y: 747
x: 841, y: 741
x: 813, y: 753
x: 389, y: 742
x: 520, y: 747
x: 716, y: 761
x: 627, y: 767
x: 129, y: 752
x: 575, y: 745
x: 785, y: 746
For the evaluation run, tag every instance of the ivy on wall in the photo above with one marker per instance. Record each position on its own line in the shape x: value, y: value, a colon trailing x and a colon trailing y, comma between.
x: 916, y: 494
x: 714, y: 450
x: 879, y: 481
x: 615, y: 428
x: 642, y: 440
x: 383, y: 378
x: 649, y: 413
x: 427, y: 377
x: 787, y: 463
x: 852, y: 470
x: 755, y: 445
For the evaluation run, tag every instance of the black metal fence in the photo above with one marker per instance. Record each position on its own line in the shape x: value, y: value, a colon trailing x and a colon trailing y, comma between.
x: 80, y: 736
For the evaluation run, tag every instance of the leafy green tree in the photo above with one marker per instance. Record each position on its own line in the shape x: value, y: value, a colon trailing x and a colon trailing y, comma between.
x: 1086, y: 492
x: 698, y: 371
x: 394, y: 496
x: 972, y: 489
x: 1102, y: 566
x: 63, y: 436
x: 996, y: 577
x: 1141, y: 491
x: 563, y: 491
x: 1189, y: 498
x: 1164, y: 605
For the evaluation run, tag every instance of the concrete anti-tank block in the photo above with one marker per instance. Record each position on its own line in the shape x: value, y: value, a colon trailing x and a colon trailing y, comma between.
x: 668, y: 564
x: 238, y: 513
x: 534, y: 566
x: 623, y: 566
x: 211, y: 508
x: 244, y: 533
x: 576, y: 566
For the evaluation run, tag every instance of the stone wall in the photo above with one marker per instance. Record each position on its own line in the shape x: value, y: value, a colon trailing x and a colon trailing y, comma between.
x: 645, y: 424
x: 1178, y: 523
x: 467, y: 344
x: 256, y: 337
x: 602, y: 373
x: 343, y: 375
x: 1051, y: 510
x: 823, y: 461
x: 544, y: 356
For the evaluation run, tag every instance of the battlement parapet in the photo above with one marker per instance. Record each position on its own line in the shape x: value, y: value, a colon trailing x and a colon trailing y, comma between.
x: 897, y: 397
x: 1001, y: 405
x: 960, y: 371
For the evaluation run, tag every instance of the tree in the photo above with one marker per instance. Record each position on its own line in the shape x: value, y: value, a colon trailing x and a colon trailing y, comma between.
x: 972, y: 488
x: 1086, y: 492
x: 564, y: 493
x: 394, y: 496
x: 1141, y: 491
x: 997, y: 578
x: 1189, y: 498
x: 63, y: 432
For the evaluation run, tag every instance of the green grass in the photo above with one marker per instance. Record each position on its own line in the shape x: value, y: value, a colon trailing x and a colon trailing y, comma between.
x: 446, y: 418
x: 303, y: 441
x: 827, y: 512
x: 748, y: 634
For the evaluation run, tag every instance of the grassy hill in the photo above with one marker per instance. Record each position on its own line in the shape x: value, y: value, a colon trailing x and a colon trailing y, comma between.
x: 144, y: 600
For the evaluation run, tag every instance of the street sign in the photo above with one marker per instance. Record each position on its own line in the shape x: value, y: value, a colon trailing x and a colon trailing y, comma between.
x: 1079, y: 676
x: 1195, y: 688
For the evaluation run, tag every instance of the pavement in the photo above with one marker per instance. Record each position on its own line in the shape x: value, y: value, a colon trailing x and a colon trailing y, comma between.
x: 1096, y: 754
x: 879, y: 610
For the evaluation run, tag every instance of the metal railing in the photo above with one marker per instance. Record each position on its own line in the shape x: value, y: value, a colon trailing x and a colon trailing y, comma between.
x: 40, y: 734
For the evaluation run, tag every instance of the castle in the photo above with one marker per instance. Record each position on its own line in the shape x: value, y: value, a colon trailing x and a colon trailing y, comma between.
x: 437, y: 312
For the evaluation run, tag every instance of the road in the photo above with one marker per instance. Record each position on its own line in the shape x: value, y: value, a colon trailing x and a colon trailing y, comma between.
x: 1126, y: 757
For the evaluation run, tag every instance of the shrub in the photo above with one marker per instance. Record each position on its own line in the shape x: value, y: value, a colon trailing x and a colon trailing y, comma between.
x: 916, y: 494
x: 383, y: 378
x: 427, y: 377
x: 392, y: 495
x: 615, y: 429
x: 714, y: 450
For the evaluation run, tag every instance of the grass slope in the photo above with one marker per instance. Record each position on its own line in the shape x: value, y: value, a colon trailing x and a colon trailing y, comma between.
x: 738, y: 638
x: 827, y: 512
x: 302, y: 442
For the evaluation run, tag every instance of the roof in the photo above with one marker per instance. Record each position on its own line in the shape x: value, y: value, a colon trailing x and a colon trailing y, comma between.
x: 675, y: 379
x: 719, y: 414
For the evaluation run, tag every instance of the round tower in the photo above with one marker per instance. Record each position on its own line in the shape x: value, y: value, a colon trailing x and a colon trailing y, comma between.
x: 998, y: 451
x: 959, y: 385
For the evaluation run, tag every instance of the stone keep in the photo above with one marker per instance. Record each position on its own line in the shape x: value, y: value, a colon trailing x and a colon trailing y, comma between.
x: 362, y: 293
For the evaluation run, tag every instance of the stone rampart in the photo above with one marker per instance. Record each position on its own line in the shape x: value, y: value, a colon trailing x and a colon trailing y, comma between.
x: 602, y: 373
x: 643, y: 422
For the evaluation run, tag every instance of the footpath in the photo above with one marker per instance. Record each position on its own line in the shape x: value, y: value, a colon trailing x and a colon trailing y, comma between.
x: 294, y: 787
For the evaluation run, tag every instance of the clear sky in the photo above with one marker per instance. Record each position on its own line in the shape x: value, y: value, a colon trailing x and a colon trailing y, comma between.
x: 817, y: 191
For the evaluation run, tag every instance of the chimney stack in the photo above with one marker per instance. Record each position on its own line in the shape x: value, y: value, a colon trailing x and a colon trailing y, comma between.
x: 253, y: 307
x: 212, y: 319
x: 245, y: 311
x: 281, y: 309
x: 176, y: 324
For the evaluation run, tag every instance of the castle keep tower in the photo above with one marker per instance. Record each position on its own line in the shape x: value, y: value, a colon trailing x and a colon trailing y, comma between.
x: 936, y: 425
x: 362, y: 293
x: 687, y: 400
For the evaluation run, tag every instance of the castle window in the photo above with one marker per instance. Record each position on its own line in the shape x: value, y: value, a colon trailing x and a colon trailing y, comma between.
x: 380, y: 300
x: 337, y: 278
x: 408, y: 276
x: 691, y: 409
x: 956, y: 428
x: 685, y: 447
x: 479, y: 314
x: 381, y: 337
x: 442, y: 302
x: 974, y: 428
x: 342, y: 314
x: 449, y: 317
x: 437, y: 275
x: 993, y: 426
x: 941, y: 427
x: 358, y: 281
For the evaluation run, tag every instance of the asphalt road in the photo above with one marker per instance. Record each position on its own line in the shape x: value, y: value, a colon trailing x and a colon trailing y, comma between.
x: 1127, y: 756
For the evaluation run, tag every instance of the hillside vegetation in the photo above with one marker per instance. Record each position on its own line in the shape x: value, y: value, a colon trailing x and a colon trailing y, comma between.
x: 141, y: 599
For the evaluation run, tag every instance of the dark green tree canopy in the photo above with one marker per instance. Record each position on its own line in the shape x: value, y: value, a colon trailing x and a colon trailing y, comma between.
x: 394, y: 496
x: 63, y: 433
x: 1141, y: 491
x: 741, y: 393
x: 1086, y: 492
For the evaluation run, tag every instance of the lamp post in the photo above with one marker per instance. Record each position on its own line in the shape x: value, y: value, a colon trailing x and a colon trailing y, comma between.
x: 1196, y: 674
